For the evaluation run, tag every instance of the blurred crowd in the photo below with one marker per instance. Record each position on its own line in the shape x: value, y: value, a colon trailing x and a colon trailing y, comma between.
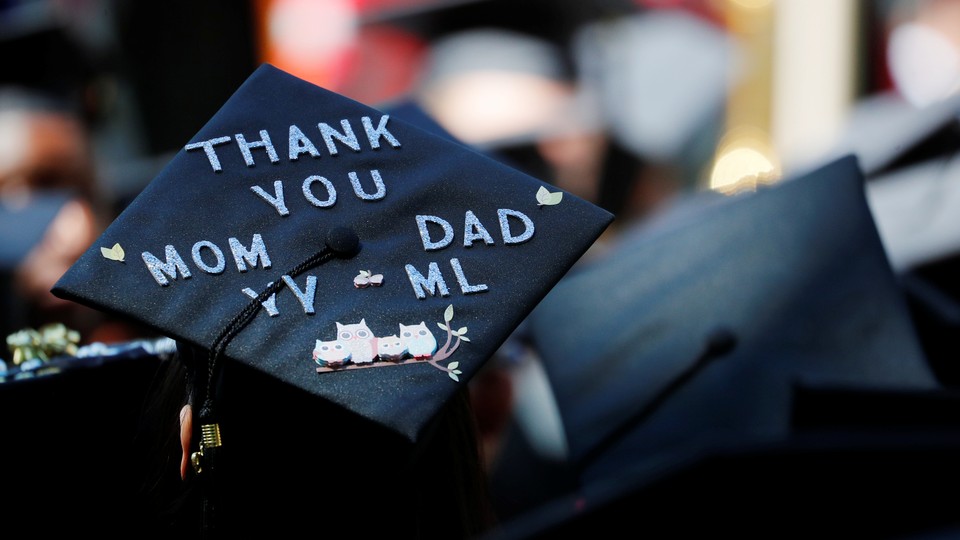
x: 622, y: 103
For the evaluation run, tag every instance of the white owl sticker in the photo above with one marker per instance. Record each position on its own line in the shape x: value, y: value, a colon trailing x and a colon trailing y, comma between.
x: 391, y: 348
x: 356, y: 347
x: 359, y: 340
x: 419, y: 340
x: 330, y: 354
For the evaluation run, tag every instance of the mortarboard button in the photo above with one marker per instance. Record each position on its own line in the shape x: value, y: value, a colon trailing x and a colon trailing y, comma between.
x: 249, y: 242
x: 343, y: 241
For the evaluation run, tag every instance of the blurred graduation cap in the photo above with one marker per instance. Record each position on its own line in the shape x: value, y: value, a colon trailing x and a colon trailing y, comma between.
x: 908, y: 158
x: 335, y: 249
x: 878, y: 485
x: 908, y: 154
x: 547, y: 19
x: 93, y: 403
x: 728, y: 309
x: 60, y: 63
x: 743, y: 355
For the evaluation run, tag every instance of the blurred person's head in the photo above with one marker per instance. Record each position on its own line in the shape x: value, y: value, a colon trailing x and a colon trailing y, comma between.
x: 516, y: 95
x: 661, y: 78
x: 626, y: 117
x: 923, y: 50
x: 43, y: 147
x: 48, y: 196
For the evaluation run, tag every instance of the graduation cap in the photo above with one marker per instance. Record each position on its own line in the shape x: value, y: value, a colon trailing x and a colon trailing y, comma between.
x: 908, y: 155
x: 677, y: 359
x: 549, y: 19
x: 92, y: 402
x: 336, y: 249
x: 708, y: 319
x: 877, y: 485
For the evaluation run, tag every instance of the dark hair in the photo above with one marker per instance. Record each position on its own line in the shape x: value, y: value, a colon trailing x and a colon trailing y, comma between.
x: 291, y: 462
x: 162, y: 494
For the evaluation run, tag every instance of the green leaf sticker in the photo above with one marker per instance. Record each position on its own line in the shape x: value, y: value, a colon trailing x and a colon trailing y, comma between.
x: 114, y: 254
x: 448, y: 313
x: 452, y: 366
x: 453, y: 376
x: 545, y: 198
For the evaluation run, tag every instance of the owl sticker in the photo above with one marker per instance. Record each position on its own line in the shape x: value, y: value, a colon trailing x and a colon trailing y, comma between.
x: 330, y: 354
x: 359, y: 340
x: 391, y: 348
x: 419, y: 340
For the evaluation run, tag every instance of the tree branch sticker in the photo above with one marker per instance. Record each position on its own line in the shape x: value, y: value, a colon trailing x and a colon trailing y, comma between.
x: 356, y: 346
x: 546, y: 198
x: 114, y: 254
x: 447, y: 349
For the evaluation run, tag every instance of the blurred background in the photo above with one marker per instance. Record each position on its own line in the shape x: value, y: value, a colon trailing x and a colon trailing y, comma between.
x: 623, y: 102
x: 631, y: 104
x: 772, y: 83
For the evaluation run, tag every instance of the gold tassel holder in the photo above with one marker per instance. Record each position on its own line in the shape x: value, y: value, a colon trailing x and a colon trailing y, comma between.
x: 210, y: 438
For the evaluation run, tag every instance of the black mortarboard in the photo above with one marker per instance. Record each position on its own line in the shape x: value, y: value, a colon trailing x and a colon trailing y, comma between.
x: 716, y: 317
x: 708, y: 321
x: 92, y: 403
x: 908, y: 155
x: 337, y: 249
x: 548, y: 19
